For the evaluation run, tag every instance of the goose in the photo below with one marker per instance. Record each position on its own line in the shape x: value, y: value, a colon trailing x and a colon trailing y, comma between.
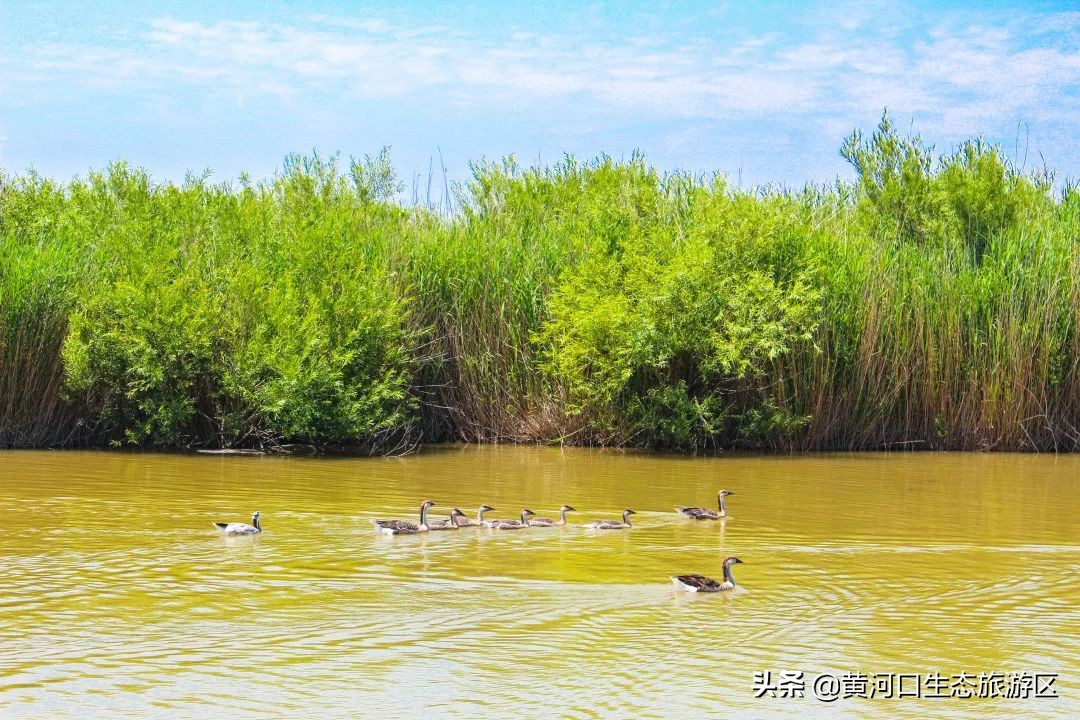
x: 700, y: 513
x: 548, y: 522
x: 452, y: 524
x: 241, y: 528
x: 479, y: 521
x: 700, y: 583
x: 404, y: 527
x: 611, y: 524
x: 513, y: 524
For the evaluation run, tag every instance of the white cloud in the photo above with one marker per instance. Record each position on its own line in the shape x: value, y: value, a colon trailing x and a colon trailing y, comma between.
x: 965, y: 73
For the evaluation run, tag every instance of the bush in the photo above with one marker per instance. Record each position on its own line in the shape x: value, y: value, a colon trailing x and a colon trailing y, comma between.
x: 668, y: 335
x: 255, y: 319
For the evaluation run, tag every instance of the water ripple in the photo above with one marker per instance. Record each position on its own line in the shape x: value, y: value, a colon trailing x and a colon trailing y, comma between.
x: 119, y: 599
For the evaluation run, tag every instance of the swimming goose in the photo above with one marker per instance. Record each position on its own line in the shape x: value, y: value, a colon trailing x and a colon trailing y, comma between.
x: 452, y: 524
x: 548, y: 522
x: 611, y: 524
x: 700, y: 513
x: 479, y: 521
x: 513, y: 524
x: 404, y: 527
x: 241, y: 528
x: 700, y: 583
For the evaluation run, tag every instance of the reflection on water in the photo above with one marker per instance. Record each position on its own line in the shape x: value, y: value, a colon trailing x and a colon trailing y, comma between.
x: 118, y: 598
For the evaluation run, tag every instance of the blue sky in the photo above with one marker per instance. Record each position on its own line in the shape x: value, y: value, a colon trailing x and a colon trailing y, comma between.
x: 763, y: 93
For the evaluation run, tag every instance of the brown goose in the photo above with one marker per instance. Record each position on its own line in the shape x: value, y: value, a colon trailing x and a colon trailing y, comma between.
x: 612, y: 524
x: 548, y: 522
x: 700, y: 513
x: 700, y: 583
x: 479, y: 521
x: 452, y: 524
x: 513, y: 524
x: 404, y: 527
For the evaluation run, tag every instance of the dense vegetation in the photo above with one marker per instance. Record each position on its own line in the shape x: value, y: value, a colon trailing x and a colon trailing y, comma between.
x: 932, y: 303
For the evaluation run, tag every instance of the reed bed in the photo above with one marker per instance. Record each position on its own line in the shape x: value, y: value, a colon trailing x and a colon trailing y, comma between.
x: 934, y: 303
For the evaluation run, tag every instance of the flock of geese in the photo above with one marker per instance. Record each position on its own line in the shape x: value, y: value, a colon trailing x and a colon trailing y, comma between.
x: 528, y: 519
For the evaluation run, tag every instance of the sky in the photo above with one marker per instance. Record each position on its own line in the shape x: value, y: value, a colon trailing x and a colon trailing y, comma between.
x: 762, y: 92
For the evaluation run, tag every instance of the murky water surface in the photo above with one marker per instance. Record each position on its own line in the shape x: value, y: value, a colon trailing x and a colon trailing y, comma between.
x: 119, y: 599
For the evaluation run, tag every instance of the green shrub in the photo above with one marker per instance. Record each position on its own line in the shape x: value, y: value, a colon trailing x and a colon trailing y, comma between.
x: 255, y: 319
x: 666, y: 335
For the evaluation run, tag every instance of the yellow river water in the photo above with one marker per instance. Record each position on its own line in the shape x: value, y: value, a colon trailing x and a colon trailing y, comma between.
x: 119, y: 599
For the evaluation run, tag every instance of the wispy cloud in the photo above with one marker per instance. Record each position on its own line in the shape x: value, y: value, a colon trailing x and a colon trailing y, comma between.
x: 953, y: 71
x: 974, y: 71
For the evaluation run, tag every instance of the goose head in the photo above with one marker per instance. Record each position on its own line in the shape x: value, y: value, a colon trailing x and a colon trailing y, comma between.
x: 732, y: 560
x: 724, y: 493
x: 426, y: 504
x: 456, y: 512
x: 525, y: 512
x: 255, y: 517
x: 567, y: 508
x: 628, y: 511
x: 486, y: 508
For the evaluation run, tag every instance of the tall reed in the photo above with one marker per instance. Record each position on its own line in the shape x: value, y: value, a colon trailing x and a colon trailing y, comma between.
x: 932, y: 303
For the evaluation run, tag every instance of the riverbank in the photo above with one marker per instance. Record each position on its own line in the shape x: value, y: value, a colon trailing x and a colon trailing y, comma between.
x: 932, y: 304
